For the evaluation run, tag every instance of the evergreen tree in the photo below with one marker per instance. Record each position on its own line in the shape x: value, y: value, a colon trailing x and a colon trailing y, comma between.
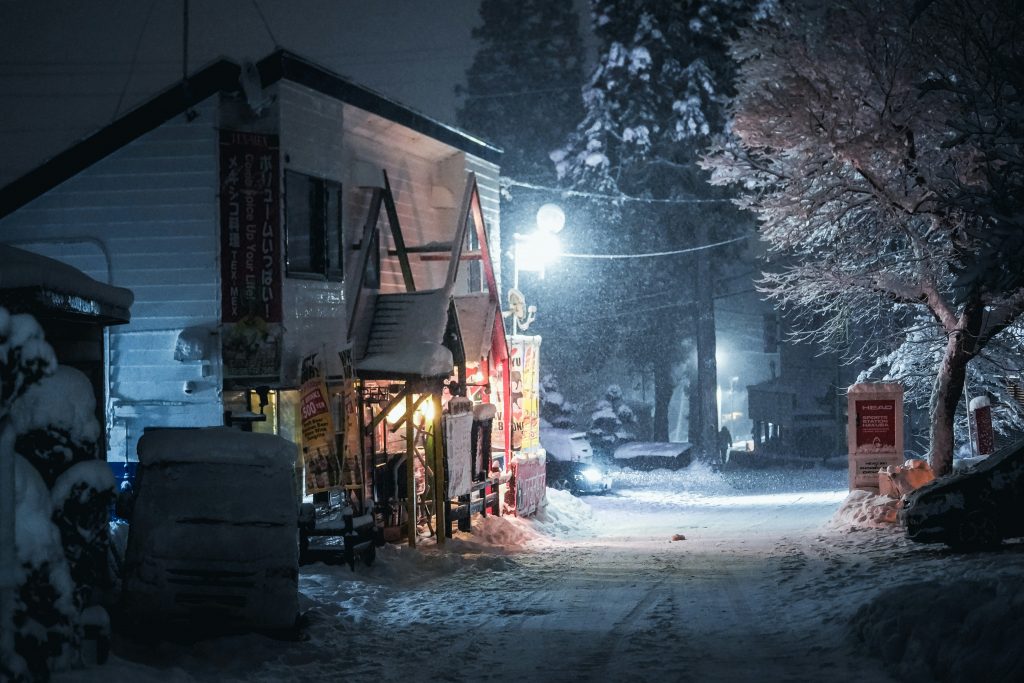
x: 655, y: 100
x: 522, y: 94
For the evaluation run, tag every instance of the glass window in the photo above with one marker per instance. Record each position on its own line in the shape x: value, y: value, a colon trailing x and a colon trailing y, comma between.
x: 313, y: 226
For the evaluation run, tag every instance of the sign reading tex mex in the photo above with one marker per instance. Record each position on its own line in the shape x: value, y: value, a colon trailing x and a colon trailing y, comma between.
x: 250, y: 220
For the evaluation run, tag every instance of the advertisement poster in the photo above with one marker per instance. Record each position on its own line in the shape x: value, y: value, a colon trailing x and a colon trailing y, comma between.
x: 524, y: 380
x: 250, y: 237
x: 876, y: 424
x: 319, y: 453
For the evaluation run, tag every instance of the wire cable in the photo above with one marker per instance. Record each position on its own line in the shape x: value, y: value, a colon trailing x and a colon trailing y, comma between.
x: 266, y: 25
x: 135, y: 57
x: 510, y: 182
x: 656, y: 253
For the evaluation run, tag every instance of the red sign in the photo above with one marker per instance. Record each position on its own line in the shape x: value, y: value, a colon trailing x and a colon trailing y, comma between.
x: 876, y: 423
x: 983, y: 429
x: 250, y: 227
x: 529, y: 486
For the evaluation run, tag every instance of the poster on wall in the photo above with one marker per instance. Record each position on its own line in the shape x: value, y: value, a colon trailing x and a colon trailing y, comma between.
x: 524, y: 381
x: 876, y: 424
x: 250, y: 245
x: 319, y: 452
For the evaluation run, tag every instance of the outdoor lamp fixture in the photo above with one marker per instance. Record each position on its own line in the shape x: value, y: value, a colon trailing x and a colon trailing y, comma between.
x: 534, y: 252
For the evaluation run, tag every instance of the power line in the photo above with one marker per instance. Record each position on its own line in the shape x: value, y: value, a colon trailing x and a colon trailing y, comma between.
x: 657, y: 253
x: 266, y: 25
x: 509, y: 182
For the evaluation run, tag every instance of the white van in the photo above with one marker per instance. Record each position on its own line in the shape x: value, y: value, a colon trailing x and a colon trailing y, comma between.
x: 213, y: 540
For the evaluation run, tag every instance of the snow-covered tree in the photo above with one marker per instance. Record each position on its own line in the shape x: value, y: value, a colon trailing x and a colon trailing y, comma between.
x: 656, y: 97
x: 881, y: 145
x: 58, y: 433
x: 522, y: 94
x: 37, y: 570
x: 612, y: 421
x: 557, y: 411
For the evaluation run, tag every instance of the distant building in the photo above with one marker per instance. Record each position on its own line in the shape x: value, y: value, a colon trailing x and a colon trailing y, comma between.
x: 802, y: 410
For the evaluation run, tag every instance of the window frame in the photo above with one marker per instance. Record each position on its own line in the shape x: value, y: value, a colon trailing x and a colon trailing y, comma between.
x: 326, y: 260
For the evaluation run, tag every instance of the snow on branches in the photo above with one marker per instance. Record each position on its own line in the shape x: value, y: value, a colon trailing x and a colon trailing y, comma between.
x: 880, y: 145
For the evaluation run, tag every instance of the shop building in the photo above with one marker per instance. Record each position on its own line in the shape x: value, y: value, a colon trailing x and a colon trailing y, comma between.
x: 276, y: 223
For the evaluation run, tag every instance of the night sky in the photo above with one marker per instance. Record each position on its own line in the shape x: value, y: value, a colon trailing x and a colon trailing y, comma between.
x: 69, y: 68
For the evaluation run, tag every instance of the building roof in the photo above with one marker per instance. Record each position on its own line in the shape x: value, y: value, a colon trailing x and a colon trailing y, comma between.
x: 476, y: 322
x: 223, y: 76
x: 406, y: 335
x: 31, y: 283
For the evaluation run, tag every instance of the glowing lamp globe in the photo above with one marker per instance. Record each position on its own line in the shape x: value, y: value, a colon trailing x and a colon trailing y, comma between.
x: 550, y: 218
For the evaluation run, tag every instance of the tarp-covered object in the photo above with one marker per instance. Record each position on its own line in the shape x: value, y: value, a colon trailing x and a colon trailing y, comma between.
x: 458, y: 450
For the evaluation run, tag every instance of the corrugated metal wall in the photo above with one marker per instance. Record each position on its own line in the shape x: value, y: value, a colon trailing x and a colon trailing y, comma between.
x: 149, y: 208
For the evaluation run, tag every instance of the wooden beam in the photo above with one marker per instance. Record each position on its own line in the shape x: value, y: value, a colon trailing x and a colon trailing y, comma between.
x: 396, y: 233
x: 465, y: 256
x: 410, y: 470
x: 440, y: 485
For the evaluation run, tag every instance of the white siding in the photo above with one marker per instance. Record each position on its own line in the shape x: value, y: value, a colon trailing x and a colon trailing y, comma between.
x: 151, y: 209
x: 314, y: 311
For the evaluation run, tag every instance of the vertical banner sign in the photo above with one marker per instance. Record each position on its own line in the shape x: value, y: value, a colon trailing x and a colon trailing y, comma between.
x: 500, y: 425
x: 319, y: 453
x: 250, y: 244
x: 531, y: 394
x: 250, y: 219
x: 352, y: 444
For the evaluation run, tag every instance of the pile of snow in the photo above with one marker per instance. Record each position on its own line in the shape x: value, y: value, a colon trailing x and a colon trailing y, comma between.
x: 930, y: 630
x: 563, y: 515
x: 864, y: 509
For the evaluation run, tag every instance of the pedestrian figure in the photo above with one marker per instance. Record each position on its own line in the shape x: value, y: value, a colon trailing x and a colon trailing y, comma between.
x: 724, y: 443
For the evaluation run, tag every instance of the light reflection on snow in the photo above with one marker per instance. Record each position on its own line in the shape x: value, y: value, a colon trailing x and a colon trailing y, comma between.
x: 738, y: 500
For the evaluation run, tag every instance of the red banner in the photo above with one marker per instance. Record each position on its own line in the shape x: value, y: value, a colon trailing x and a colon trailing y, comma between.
x: 876, y: 423
x: 529, y: 485
x: 250, y: 220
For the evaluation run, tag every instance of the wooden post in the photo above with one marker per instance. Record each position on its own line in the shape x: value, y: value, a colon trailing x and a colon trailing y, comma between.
x: 440, y: 485
x: 410, y: 459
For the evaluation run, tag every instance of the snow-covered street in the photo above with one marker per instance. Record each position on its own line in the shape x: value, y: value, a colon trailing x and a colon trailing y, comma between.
x: 763, y: 587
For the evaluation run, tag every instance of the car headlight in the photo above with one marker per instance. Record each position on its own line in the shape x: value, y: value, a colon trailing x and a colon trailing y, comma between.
x: 593, y: 474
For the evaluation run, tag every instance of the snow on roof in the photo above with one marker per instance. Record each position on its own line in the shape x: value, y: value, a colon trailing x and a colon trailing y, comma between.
x: 20, y: 268
x: 476, y: 322
x: 221, y: 445
x: 406, y: 333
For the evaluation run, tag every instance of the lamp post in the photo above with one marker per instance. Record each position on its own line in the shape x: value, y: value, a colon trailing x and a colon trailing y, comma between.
x: 534, y: 252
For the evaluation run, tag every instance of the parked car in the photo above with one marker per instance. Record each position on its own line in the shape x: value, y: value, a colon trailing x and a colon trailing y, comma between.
x: 570, y: 463
x: 213, y: 538
x: 975, y: 508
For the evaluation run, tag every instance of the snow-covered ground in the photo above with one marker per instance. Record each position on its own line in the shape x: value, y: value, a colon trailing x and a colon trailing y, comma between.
x: 774, y: 576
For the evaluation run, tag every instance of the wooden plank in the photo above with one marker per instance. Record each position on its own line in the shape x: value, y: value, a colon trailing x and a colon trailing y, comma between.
x: 396, y: 233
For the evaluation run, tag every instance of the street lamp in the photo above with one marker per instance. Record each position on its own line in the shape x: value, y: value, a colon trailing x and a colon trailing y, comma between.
x: 534, y: 252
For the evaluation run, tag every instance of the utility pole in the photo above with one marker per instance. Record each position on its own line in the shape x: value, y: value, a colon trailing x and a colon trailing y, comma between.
x: 707, y: 367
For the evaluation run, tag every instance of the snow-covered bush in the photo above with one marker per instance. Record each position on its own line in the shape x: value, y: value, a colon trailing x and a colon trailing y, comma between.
x: 45, y: 616
x: 56, y: 423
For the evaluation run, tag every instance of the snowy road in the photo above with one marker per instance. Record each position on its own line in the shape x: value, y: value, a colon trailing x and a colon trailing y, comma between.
x: 761, y: 589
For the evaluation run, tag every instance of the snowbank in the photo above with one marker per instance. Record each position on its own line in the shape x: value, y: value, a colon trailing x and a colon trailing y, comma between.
x: 865, y: 509
x: 935, y: 631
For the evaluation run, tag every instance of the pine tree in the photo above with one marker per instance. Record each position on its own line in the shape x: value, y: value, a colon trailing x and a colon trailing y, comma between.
x: 522, y: 94
x: 655, y: 100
